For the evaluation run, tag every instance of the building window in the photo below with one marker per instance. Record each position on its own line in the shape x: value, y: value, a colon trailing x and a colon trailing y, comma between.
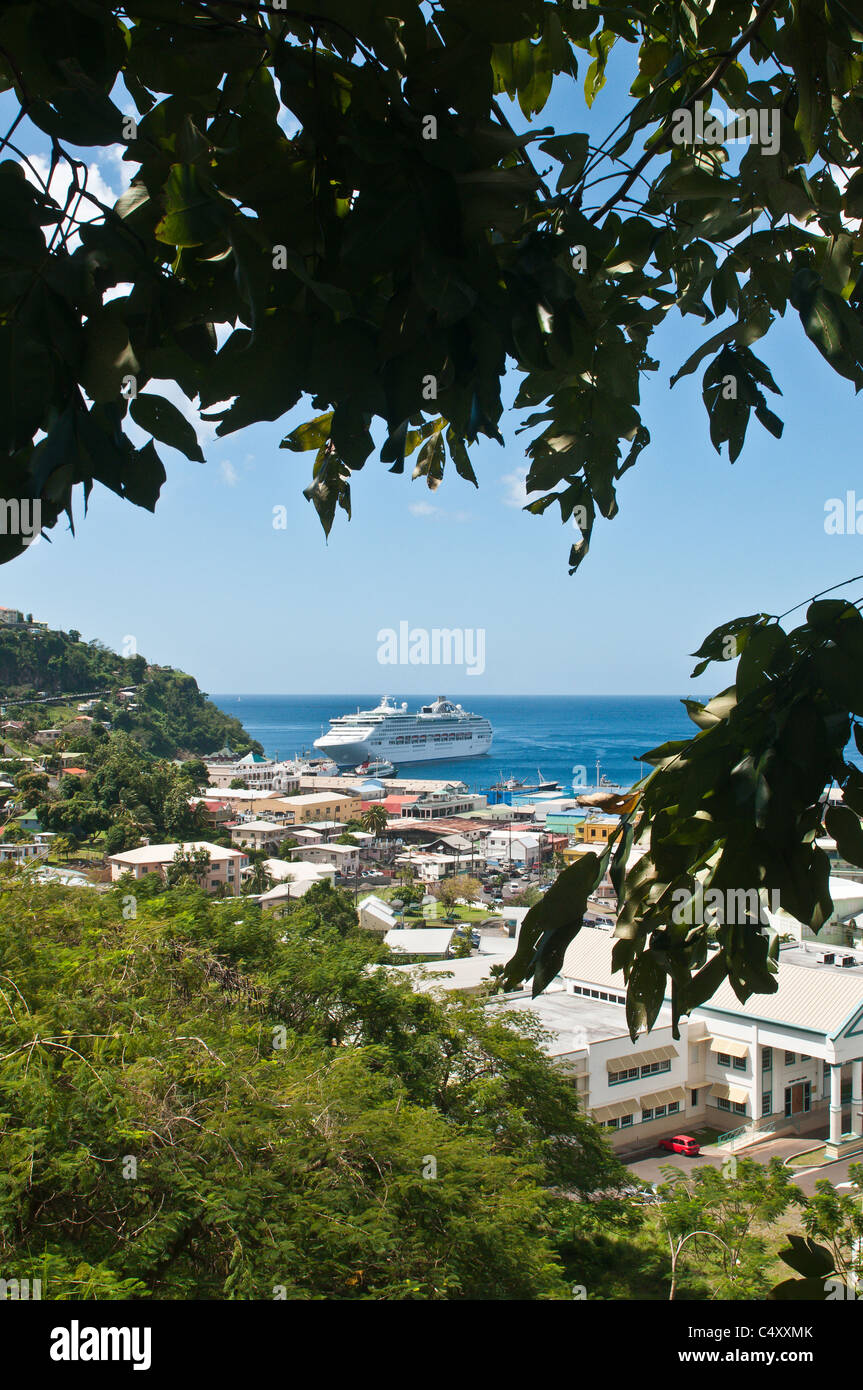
x: 646, y: 1114
x: 616, y: 1077
x: 651, y: 1068
x: 722, y: 1103
x: 790, y: 1059
x: 766, y: 1102
x: 724, y: 1059
x: 673, y: 1107
x: 767, y: 1059
x: 693, y: 1097
x: 738, y: 1063
x: 739, y: 1107
x: 623, y: 1123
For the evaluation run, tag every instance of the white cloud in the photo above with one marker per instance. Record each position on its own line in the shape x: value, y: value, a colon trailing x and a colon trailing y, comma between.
x: 59, y: 184
x: 436, y: 513
x: 230, y: 476
x: 515, y: 487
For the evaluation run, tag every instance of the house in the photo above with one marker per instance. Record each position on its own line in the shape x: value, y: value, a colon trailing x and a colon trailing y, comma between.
x: 47, y: 737
x: 259, y: 834
x: 430, y: 867
x: 512, y: 847
x: 26, y: 850
x: 375, y: 914
x: 225, y: 868
x: 294, y: 879
x: 344, y: 858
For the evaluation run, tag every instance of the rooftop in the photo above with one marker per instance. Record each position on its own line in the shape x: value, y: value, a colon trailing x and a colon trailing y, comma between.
x: 153, y: 854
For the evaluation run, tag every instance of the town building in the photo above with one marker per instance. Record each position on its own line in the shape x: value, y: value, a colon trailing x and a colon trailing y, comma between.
x: 430, y: 867
x: 259, y: 834
x: 225, y: 867
x: 787, y: 1062
x: 23, y: 851
x: 293, y: 880
x: 434, y: 942
x: 344, y: 858
x: 324, y: 806
x: 512, y: 847
x: 255, y: 772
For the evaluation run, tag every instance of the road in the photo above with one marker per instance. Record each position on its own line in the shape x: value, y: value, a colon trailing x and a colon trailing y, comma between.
x: 647, y: 1164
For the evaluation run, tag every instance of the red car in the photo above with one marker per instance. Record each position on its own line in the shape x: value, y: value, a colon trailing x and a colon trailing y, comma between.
x: 681, y: 1144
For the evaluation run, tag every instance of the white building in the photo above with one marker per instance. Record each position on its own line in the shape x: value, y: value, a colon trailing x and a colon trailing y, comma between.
x: 293, y: 879
x: 344, y: 858
x: 256, y: 772
x: 420, y: 941
x: 512, y: 847
x: 259, y: 834
x: 21, y: 852
x: 429, y: 867
x: 787, y: 1062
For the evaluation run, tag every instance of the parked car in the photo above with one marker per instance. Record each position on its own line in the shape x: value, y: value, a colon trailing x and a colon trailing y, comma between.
x: 681, y: 1144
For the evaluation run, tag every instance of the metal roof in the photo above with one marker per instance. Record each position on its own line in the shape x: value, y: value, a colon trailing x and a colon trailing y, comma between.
x: 817, y: 999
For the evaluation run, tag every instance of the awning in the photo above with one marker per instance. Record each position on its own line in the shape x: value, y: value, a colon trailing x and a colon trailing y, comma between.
x: 641, y: 1059
x: 733, y: 1049
x: 614, y: 1112
x: 674, y: 1093
x: 721, y: 1090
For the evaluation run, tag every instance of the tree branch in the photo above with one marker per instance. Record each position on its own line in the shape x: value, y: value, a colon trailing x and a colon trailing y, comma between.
x: 707, y: 85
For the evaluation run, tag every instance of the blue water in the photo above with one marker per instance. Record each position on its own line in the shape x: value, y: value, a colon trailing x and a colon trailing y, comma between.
x: 551, y: 734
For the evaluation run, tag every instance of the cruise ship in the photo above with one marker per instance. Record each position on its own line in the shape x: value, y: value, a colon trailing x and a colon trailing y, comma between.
x: 437, y: 732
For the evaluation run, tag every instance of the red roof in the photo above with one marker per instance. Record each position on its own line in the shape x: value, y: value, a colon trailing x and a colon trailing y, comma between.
x: 75, y: 772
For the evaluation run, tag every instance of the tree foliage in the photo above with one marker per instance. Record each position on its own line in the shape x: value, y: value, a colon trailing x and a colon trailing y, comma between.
x: 198, y: 1102
x: 340, y: 189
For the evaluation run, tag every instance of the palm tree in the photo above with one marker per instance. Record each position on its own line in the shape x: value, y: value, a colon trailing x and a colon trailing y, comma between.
x: 375, y: 819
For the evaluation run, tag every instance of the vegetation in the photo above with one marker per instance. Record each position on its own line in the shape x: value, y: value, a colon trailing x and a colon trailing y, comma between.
x: 171, y: 716
x: 126, y: 796
x: 200, y: 1102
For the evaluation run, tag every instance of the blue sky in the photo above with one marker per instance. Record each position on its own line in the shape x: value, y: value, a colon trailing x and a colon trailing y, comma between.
x: 207, y: 583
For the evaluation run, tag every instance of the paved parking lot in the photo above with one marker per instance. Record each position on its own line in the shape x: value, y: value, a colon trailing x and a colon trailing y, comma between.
x: 647, y: 1164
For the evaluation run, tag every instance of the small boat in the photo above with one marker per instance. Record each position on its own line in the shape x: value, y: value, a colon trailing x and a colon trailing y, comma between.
x: 375, y: 767
x: 316, y: 767
x: 544, y: 786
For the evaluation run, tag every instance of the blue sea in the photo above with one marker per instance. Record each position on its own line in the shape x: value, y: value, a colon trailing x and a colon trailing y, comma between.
x: 547, y: 734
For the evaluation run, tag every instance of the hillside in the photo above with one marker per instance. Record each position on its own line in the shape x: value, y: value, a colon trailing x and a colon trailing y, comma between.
x: 171, y: 717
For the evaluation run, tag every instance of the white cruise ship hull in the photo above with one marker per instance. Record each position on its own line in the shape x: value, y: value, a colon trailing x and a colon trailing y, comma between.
x: 349, y: 754
x: 440, y: 732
